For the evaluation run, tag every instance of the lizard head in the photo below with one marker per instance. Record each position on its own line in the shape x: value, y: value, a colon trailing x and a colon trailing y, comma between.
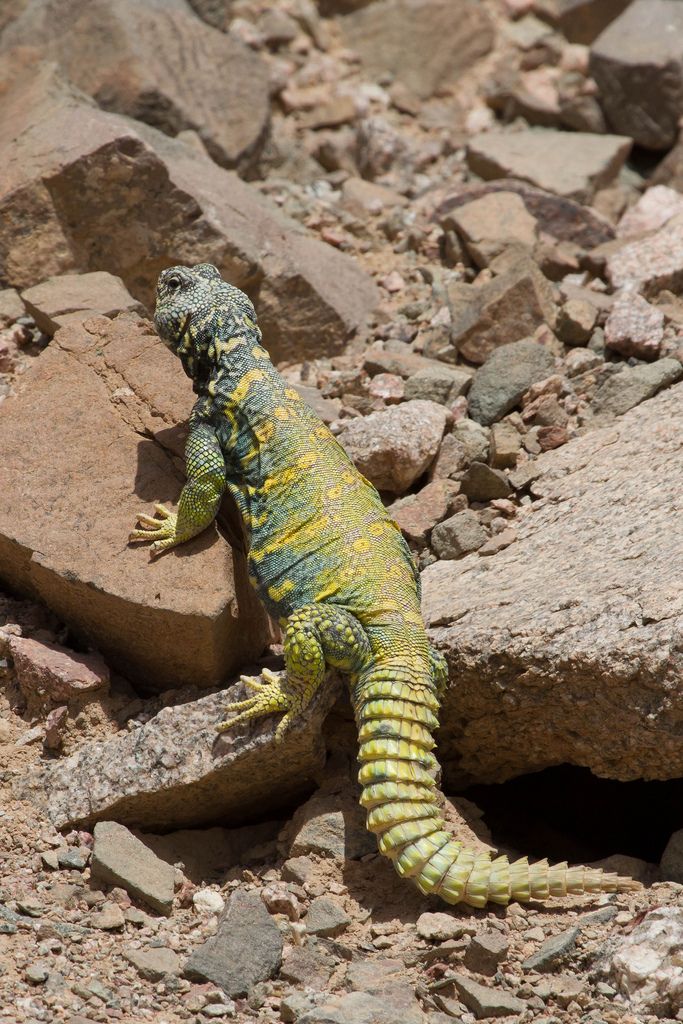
x: 194, y: 306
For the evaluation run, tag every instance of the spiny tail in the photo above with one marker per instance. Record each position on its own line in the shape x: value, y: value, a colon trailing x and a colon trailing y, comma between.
x: 396, y: 717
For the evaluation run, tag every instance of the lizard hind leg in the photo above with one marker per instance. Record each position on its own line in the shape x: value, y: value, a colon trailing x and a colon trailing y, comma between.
x: 315, y: 635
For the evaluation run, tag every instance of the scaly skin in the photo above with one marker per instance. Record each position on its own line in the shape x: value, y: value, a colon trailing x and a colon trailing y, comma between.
x: 333, y: 568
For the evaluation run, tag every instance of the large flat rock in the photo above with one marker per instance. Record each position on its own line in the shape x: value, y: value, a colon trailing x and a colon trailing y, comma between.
x: 566, y: 646
x: 91, y: 438
x: 176, y: 771
x: 81, y: 189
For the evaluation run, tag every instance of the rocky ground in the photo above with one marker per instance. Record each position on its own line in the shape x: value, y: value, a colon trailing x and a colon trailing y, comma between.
x: 462, y: 226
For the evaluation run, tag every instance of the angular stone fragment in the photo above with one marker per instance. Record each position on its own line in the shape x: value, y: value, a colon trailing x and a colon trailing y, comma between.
x: 486, y: 951
x: 120, y: 858
x: 504, y: 310
x: 438, y: 384
x: 584, y: 608
x: 645, y: 966
x: 329, y: 827
x: 417, y: 514
x: 173, y: 772
x: 154, y: 963
x: 506, y: 442
x: 572, y: 164
x: 507, y: 374
x: 326, y: 917
x: 622, y: 391
x: 222, y: 92
x: 493, y: 223
x: 46, y: 670
x: 637, y: 63
x: 59, y: 300
x: 85, y: 190
x: 575, y: 321
x: 11, y: 306
x: 652, y: 263
x: 482, y: 483
x: 458, y: 535
x: 362, y: 1008
x: 552, y: 951
x: 426, y: 44
x: 651, y: 212
x: 634, y: 327
x: 246, y: 949
x: 487, y: 1002
x: 393, y: 448
x: 580, y: 20
x: 91, y: 440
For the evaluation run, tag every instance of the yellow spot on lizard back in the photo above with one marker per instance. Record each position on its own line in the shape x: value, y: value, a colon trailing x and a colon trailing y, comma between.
x: 293, y: 394
x: 240, y: 392
x: 307, y: 460
x: 278, y: 592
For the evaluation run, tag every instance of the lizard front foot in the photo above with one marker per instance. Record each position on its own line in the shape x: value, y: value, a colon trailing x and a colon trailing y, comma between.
x: 269, y: 698
x: 160, y: 528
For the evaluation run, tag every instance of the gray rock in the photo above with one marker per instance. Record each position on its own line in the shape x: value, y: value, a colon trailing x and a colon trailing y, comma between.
x: 329, y: 826
x: 622, y: 391
x: 362, y: 1008
x: 246, y: 949
x: 438, y: 384
x: 439, y: 926
x: 120, y: 858
x: 575, y: 321
x: 487, y: 1002
x: 295, y: 1005
x: 637, y: 63
x: 571, y: 164
x: 154, y: 962
x: 671, y: 863
x: 308, y: 966
x: 584, y: 608
x: 458, y: 535
x: 552, y: 951
x: 326, y: 917
x: 483, y: 483
x: 474, y: 437
x: 486, y: 951
x: 74, y: 857
x: 36, y: 973
x: 506, y: 375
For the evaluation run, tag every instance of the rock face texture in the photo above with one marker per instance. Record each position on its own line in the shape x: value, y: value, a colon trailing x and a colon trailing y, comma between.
x: 566, y: 646
x: 394, y: 36
x: 75, y: 197
x: 127, y: 55
x: 581, y: 20
x: 637, y: 63
x: 174, y: 771
x: 90, y: 439
x: 60, y: 300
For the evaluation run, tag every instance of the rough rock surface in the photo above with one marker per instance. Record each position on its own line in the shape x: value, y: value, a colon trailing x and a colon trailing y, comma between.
x: 174, y: 771
x: 572, y: 164
x: 637, y: 63
x: 46, y: 670
x: 634, y: 327
x: 120, y: 858
x: 507, y: 374
x: 580, y: 20
x: 67, y: 203
x: 491, y: 224
x: 91, y: 438
x: 91, y: 42
x: 393, y: 448
x: 622, y: 391
x: 651, y: 263
x: 60, y: 300
x: 581, y: 614
x: 393, y: 36
x: 646, y: 965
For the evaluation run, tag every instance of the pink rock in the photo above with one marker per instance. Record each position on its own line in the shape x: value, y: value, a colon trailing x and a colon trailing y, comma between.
x: 387, y: 386
x: 634, y: 327
x: 652, y: 263
x: 652, y: 211
x: 393, y: 282
x: 419, y: 513
x: 47, y: 670
x: 55, y: 724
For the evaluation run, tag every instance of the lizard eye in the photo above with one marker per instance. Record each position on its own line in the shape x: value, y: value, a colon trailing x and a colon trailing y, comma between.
x: 173, y: 283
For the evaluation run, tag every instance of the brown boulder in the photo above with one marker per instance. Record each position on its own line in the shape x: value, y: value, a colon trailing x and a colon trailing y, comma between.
x: 426, y: 44
x: 580, y: 20
x: 159, y: 64
x: 565, y: 646
x: 85, y: 190
x: 90, y: 439
x: 59, y: 300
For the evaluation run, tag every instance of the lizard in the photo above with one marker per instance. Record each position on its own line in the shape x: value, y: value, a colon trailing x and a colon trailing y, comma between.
x: 333, y: 568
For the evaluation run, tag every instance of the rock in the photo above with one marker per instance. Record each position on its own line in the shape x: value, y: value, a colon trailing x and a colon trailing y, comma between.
x: 74, y: 858
x: 553, y: 436
x: 279, y: 900
x: 634, y: 327
x: 652, y: 211
x: 36, y: 974
x: 214, y: 12
x: 439, y: 926
x: 474, y: 437
x: 59, y: 300
x: 552, y: 951
x: 493, y: 223
x: 504, y: 310
x: 645, y: 966
x: 154, y: 963
x: 326, y: 917
x: 652, y: 263
x: 575, y: 321
x: 297, y: 870
x: 48, y: 671
x: 174, y: 772
x: 487, y: 1002
x: 308, y: 966
x: 11, y: 306
x: 564, y: 989
x: 507, y: 374
x: 183, y: 209
x: 55, y: 727
x: 109, y: 919
x: 641, y: 87
x: 557, y: 216
x: 119, y: 858
x: 425, y: 44
x: 362, y: 1008
x: 506, y: 442
x: 438, y: 384
x: 453, y: 457
x: 387, y: 386
x: 672, y: 859
x: 581, y: 360
x: 208, y: 901
x: 418, y: 514
x: 172, y: 622
x: 581, y: 21
x: 210, y: 852
x: 458, y: 535
x: 583, y: 608
x: 92, y: 42
x: 362, y: 197
x: 295, y: 1005
x: 393, y: 448
x: 622, y: 391
x: 482, y: 483
x: 329, y: 827
x: 485, y: 952
x: 246, y: 949
x: 632, y: 867
x: 572, y: 164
